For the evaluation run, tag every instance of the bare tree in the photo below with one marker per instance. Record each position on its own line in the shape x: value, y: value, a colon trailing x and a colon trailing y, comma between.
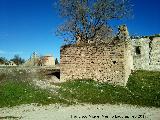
x: 3, y: 60
x: 87, y: 19
x: 56, y: 61
x: 17, y: 60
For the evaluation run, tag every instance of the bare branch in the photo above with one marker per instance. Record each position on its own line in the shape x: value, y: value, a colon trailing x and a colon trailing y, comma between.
x: 86, y: 18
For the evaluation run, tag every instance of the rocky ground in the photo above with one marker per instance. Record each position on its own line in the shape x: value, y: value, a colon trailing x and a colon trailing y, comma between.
x: 80, y: 112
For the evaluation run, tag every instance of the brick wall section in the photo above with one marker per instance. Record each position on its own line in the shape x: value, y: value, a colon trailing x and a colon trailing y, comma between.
x: 104, y: 63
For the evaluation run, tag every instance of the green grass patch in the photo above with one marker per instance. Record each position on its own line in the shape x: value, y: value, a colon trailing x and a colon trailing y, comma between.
x: 143, y: 89
x: 89, y: 91
x: 14, y: 93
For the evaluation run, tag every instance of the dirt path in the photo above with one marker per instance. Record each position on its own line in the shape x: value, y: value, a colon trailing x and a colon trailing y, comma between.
x: 80, y: 112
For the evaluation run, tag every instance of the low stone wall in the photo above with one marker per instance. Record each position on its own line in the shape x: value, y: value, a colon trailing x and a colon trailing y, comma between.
x: 104, y: 63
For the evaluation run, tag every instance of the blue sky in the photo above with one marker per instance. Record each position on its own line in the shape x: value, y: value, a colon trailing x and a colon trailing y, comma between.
x: 29, y: 25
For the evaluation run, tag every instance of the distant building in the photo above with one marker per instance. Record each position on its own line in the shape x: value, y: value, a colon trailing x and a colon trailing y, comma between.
x: 9, y: 63
x: 35, y: 60
x: 48, y: 60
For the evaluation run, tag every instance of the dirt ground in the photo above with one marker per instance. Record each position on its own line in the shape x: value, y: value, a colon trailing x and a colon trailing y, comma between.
x: 79, y: 112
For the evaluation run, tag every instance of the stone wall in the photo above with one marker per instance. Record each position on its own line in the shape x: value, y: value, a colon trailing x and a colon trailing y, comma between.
x: 155, y: 51
x: 104, y: 63
x: 149, y: 56
x: 141, y: 50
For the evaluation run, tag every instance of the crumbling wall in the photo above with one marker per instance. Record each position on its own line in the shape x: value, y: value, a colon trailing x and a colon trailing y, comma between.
x: 141, y: 50
x: 149, y: 56
x: 104, y: 63
x: 155, y: 51
x: 128, y: 55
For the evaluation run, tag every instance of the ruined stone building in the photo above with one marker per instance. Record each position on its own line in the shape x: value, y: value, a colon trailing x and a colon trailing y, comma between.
x: 146, y: 53
x: 103, y: 62
x: 112, y: 62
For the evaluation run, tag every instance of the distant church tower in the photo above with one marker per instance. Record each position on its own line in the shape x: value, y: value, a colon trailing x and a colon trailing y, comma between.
x: 34, y: 58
